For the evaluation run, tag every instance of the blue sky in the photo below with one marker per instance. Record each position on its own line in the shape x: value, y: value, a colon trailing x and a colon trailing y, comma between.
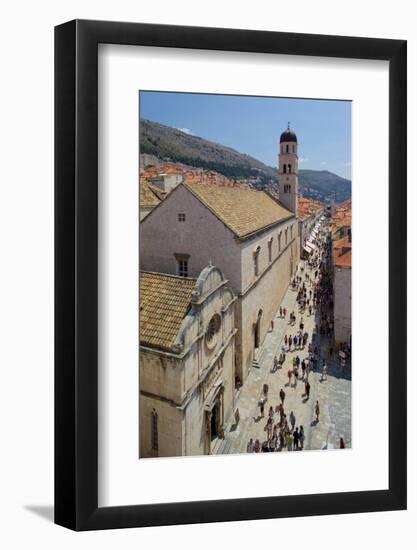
x: 253, y: 125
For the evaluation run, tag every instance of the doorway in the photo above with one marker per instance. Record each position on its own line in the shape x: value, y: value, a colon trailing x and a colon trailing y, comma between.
x: 214, y: 421
x: 257, y: 330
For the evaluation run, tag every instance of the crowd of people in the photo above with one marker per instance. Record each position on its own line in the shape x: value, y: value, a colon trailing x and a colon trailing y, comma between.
x: 313, y: 285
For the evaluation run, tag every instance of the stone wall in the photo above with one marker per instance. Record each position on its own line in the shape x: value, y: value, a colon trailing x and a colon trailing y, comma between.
x: 265, y: 296
x: 170, y: 425
x: 342, y: 304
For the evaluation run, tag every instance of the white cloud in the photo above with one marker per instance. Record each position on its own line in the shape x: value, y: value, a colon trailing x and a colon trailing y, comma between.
x: 186, y: 131
x: 302, y: 159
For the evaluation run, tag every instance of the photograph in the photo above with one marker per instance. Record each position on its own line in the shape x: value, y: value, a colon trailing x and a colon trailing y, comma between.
x: 245, y: 259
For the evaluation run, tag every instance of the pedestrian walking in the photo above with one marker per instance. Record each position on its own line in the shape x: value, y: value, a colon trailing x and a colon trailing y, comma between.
x: 282, y: 397
x: 285, y: 312
x: 302, y: 437
x: 342, y: 443
x: 275, y: 367
x: 290, y: 342
x: 292, y: 420
x: 307, y: 389
x: 262, y: 407
x: 289, y: 376
x: 269, y: 427
x: 296, y: 437
x: 271, y: 413
x: 324, y: 372
x: 288, y: 441
x: 286, y: 340
x: 280, y: 311
x: 250, y: 446
x: 317, y: 410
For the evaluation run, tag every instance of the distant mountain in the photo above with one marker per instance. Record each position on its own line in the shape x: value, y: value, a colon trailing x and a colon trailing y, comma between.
x: 319, y: 184
x: 173, y: 145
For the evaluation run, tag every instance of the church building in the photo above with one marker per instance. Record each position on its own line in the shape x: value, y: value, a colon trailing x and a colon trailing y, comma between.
x: 187, y: 355
x: 249, y: 235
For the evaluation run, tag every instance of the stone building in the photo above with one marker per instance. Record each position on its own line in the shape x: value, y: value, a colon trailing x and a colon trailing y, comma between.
x: 249, y: 235
x: 187, y: 350
x: 166, y: 182
x: 342, y: 289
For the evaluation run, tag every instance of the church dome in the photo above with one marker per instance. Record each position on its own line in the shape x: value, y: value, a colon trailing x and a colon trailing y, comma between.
x: 288, y: 135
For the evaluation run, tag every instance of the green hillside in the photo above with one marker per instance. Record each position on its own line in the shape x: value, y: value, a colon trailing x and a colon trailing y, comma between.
x: 171, y: 144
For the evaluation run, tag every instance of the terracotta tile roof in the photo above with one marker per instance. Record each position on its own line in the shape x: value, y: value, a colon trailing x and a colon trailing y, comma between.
x: 192, y: 174
x: 244, y: 211
x: 147, y: 196
x: 343, y: 214
x: 343, y: 259
x: 307, y: 207
x: 157, y: 191
x: 164, y: 301
x: 342, y: 252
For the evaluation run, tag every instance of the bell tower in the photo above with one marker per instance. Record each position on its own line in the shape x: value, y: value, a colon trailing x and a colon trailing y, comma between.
x: 288, y: 170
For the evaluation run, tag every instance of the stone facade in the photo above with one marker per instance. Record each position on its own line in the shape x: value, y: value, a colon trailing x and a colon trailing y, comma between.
x: 186, y: 394
x: 288, y: 170
x: 342, y: 288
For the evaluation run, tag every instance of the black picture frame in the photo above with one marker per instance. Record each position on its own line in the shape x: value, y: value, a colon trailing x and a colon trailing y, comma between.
x: 76, y: 272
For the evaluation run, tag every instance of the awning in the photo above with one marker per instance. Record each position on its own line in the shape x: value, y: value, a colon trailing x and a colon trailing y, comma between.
x: 308, y: 249
x: 311, y: 245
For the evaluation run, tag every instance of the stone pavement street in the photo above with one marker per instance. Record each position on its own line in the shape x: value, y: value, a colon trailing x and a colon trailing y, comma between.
x: 334, y: 394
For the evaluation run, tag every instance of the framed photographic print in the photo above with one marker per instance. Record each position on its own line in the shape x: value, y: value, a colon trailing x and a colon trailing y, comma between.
x: 230, y: 275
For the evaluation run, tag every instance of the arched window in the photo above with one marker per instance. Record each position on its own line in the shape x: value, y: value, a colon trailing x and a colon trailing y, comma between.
x: 293, y: 148
x: 288, y: 148
x: 289, y: 168
x: 212, y: 331
x: 286, y: 236
x: 270, y: 249
x: 279, y: 242
x: 154, y: 430
x: 291, y: 232
x: 285, y: 168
